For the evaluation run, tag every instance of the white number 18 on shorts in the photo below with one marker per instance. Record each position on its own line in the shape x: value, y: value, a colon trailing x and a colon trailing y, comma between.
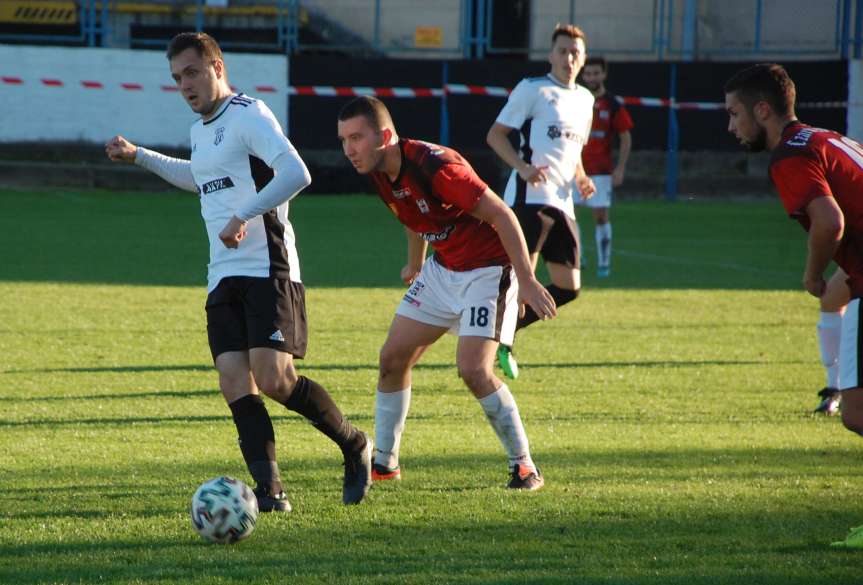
x: 482, y: 302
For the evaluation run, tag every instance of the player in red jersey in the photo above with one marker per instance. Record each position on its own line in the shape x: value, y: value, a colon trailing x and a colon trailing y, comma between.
x: 610, y: 119
x: 473, y: 283
x: 819, y: 176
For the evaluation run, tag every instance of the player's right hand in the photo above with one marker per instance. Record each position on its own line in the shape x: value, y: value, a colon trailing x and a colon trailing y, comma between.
x: 533, y: 294
x: 814, y: 285
x: 534, y: 175
x: 410, y: 273
x: 121, y: 150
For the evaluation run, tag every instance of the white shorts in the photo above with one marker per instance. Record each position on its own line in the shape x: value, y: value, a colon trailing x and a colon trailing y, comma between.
x: 849, y: 348
x: 602, y: 197
x: 478, y: 303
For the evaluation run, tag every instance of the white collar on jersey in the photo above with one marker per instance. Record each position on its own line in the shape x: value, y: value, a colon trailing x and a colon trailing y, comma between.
x: 221, y: 110
x: 557, y: 82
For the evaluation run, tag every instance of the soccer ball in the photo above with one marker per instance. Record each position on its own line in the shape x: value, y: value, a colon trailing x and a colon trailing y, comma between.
x: 224, y: 510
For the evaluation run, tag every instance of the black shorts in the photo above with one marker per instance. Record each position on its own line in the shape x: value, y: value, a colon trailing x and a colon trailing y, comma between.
x: 245, y: 312
x: 561, y: 245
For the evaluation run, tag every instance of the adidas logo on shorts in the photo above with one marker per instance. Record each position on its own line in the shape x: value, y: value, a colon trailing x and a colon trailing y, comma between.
x: 277, y: 336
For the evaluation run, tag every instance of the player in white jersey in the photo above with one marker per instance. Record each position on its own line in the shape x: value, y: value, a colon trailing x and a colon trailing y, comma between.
x: 553, y: 115
x: 245, y: 171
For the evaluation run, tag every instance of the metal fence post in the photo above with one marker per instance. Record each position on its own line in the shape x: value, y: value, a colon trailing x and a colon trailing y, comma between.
x: 858, y: 28
x: 377, y: 38
x: 759, y: 8
x: 671, y: 169
x: 444, y: 106
x: 91, y: 23
x: 199, y: 16
x: 661, y: 36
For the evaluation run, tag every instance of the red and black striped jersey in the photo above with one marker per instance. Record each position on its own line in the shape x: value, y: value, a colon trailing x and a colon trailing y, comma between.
x: 609, y: 119
x: 812, y: 162
x: 433, y: 196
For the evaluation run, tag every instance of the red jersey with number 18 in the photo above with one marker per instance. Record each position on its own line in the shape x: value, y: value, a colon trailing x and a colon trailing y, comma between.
x: 812, y: 162
x: 433, y: 196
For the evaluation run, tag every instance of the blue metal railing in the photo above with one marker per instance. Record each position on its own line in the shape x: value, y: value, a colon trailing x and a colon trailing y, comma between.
x: 475, y: 24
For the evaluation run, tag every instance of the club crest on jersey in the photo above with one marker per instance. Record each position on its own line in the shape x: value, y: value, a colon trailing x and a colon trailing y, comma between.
x: 220, y: 135
x: 423, y: 205
x: 401, y: 193
x: 553, y: 132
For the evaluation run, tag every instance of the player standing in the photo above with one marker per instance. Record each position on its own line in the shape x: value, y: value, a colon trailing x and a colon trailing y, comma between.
x: 829, y: 328
x: 472, y: 283
x: 610, y: 119
x: 553, y: 115
x: 819, y: 176
x: 245, y: 171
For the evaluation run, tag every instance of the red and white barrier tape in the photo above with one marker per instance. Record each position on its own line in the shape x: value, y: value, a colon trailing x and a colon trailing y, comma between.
x: 414, y: 92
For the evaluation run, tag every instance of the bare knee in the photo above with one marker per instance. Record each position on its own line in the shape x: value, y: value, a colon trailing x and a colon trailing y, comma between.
x: 600, y: 216
x: 392, y: 362
x: 275, y: 382
x: 235, y: 385
x: 477, y: 377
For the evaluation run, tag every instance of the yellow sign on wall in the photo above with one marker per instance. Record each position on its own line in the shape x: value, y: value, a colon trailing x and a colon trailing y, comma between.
x: 429, y: 37
x: 23, y: 12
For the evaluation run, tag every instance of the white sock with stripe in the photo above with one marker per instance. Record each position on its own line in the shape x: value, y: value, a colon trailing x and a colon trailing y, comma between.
x: 603, y: 244
x: 391, y: 411
x: 502, y: 412
x: 829, y: 336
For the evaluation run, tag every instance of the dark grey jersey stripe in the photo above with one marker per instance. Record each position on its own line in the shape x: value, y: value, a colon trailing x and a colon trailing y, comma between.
x: 526, y: 155
x: 503, y: 289
x: 280, y: 266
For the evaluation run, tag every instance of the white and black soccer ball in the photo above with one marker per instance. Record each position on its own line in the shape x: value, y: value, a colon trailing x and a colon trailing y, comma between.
x: 224, y: 510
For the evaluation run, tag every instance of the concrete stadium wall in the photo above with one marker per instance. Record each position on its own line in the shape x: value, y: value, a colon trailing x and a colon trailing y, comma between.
x: 88, y: 95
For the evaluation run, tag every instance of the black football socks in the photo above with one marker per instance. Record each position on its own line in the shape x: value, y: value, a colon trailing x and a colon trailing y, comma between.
x: 561, y: 296
x: 257, y: 441
x: 311, y: 400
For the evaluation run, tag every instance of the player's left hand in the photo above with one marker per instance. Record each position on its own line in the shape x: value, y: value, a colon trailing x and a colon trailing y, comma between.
x: 617, y: 177
x: 814, y: 285
x: 233, y: 232
x: 585, y: 187
x: 409, y: 273
x: 535, y: 295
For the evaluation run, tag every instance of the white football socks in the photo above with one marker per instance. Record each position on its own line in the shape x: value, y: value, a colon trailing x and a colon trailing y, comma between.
x: 829, y: 336
x: 603, y: 244
x: 391, y: 410
x: 502, y: 412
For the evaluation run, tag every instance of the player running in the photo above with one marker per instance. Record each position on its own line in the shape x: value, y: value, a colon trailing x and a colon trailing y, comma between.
x: 472, y: 283
x: 819, y: 176
x: 553, y: 115
x: 245, y: 171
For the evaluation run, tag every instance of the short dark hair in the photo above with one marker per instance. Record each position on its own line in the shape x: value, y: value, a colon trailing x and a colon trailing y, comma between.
x: 768, y: 82
x: 600, y: 61
x: 371, y: 108
x: 206, y: 46
x: 568, y: 30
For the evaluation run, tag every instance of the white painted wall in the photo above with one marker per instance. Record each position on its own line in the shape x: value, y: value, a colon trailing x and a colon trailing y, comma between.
x: 34, y: 111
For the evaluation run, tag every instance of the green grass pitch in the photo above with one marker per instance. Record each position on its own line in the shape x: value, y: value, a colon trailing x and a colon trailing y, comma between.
x: 669, y: 408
